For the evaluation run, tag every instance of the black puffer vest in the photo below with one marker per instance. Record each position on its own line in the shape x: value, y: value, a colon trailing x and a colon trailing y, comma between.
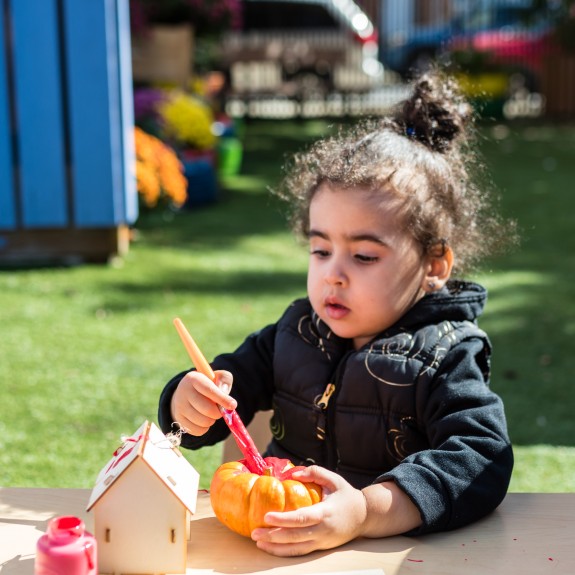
x: 359, y: 413
x: 414, y: 406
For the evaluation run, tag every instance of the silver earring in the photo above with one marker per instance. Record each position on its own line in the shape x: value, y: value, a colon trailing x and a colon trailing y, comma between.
x: 431, y: 285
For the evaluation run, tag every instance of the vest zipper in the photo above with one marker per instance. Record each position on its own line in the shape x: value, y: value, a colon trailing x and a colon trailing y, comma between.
x: 321, y: 403
x: 326, y: 418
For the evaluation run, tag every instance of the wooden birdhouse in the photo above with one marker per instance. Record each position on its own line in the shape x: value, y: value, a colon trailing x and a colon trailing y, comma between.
x: 142, y: 503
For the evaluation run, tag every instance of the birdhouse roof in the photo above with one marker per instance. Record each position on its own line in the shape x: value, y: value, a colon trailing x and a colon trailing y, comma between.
x: 161, y: 457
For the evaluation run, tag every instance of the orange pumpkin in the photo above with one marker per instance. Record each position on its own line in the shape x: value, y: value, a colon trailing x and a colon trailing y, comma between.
x: 240, y: 499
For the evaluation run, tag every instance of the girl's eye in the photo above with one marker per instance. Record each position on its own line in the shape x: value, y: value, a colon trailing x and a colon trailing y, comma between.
x: 319, y: 253
x: 366, y: 259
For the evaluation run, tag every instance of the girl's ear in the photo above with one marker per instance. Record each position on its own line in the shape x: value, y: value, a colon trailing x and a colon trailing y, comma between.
x: 439, y: 266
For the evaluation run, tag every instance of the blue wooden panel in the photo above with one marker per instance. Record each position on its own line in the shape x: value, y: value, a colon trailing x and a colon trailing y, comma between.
x: 96, y: 118
x: 7, y: 198
x: 127, y: 108
x: 40, y: 133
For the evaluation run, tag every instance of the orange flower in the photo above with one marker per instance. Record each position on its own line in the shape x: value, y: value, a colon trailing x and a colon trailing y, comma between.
x: 159, y: 172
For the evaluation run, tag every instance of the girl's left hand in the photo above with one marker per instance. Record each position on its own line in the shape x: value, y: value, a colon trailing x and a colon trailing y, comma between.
x: 335, y: 520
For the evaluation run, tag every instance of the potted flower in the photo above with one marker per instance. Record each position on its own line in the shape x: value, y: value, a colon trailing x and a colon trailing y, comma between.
x: 187, y: 123
x: 146, y: 114
x: 159, y: 173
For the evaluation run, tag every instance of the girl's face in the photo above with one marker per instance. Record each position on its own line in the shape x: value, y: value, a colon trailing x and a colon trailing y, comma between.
x: 365, y: 270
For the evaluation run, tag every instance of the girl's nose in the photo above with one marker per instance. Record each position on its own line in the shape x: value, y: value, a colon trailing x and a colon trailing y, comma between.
x: 335, y: 274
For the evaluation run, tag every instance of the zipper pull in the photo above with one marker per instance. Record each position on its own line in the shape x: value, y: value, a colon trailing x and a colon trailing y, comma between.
x: 321, y: 402
x: 324, y: 399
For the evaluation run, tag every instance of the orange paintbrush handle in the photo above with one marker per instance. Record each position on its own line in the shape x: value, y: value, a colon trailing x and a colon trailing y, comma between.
x: 194, y: 352
x: 255, y: 461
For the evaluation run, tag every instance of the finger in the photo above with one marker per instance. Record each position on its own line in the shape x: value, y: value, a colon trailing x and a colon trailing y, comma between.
x: 316, y: 474
x: 191, y: 427
x: 285, y: 542
x: 192, y: 410
x: 191, y: 404
x: 189, y: 422
x: 284, y: 536
x: 206, y: 410
x: 290, y: 550
x: 304, y: 517
x: 214, y: 392
x: 224, y: 380
x: 226, y: 400
x: 202, y: 412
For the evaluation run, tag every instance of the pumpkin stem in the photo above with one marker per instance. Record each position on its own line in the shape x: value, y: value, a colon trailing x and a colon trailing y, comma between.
x: 268, y: 471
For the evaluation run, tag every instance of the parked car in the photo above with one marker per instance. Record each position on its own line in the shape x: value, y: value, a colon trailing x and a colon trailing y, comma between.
x: 518, y: 49
x: 298, y: 47
x: 411, y: 48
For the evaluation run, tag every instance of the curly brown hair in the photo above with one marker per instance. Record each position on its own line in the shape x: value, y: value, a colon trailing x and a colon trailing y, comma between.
x: 422, y: 153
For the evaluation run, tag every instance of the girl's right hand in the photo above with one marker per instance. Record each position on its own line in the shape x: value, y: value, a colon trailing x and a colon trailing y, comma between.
x: 195, y: 401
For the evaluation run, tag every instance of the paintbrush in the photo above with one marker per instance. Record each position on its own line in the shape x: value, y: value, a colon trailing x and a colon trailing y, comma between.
x: 254, y: 461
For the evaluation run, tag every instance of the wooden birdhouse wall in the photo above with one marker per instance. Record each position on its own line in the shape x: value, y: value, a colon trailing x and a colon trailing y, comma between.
x: 140, y: 526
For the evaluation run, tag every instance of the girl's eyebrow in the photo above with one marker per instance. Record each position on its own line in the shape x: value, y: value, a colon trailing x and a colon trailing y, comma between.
x: 359, y: 237
x: 317, y: 234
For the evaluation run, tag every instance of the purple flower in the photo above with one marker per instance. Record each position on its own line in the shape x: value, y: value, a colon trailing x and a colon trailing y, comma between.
x: 146, y: 101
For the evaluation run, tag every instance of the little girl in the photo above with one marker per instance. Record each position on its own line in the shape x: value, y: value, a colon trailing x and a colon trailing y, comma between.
x: 379, y: 378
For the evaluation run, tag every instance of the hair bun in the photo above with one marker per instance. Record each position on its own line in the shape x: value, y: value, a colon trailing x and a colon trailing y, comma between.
x: 436, y: 114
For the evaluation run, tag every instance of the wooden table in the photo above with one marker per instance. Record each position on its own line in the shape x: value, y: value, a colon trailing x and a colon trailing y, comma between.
x: 530, y: 534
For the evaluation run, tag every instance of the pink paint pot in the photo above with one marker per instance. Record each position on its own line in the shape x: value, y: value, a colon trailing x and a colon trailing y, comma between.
x: 66, y: 549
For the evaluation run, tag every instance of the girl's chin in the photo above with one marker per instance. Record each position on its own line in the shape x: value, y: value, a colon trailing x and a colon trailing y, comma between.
x: 359, y: 340
x: 338, y: 329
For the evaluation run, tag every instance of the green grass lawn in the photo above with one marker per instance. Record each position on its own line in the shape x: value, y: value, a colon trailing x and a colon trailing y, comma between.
x: 531, y: 313
x: 86, y: 350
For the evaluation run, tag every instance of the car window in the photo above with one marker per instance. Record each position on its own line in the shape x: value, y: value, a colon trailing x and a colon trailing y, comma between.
x: 495, y: 18
x: 286, y: 15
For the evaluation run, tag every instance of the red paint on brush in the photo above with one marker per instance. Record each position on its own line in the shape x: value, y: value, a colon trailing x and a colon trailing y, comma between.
x: 253, y: 459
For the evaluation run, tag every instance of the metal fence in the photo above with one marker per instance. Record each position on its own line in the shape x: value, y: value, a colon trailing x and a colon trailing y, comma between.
x: 505, y: 55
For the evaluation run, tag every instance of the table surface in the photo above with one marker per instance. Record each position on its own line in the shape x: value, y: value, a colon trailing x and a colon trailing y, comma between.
x: 528, y: 534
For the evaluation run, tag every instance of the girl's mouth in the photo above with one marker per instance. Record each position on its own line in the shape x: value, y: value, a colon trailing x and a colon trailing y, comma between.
x: 336, y: 310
